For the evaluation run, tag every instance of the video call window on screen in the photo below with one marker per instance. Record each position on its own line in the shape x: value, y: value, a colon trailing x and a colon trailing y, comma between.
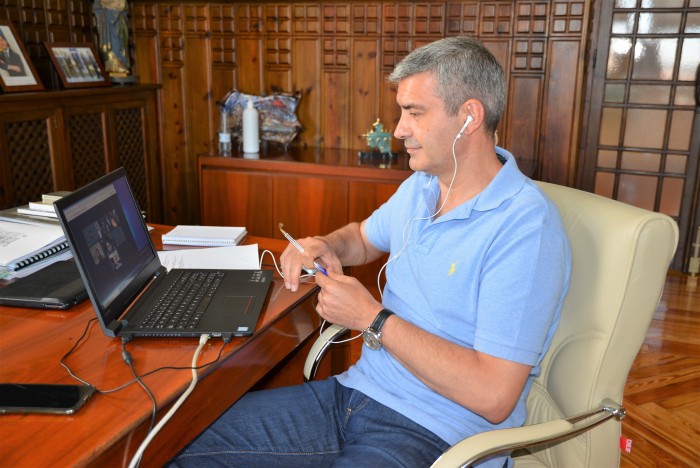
x: 105, y: 236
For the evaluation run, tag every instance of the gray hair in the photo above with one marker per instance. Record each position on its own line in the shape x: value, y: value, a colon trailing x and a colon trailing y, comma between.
x: 464, y: 69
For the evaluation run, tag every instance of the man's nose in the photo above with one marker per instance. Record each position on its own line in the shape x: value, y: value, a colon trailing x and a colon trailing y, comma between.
x: 402, y: 130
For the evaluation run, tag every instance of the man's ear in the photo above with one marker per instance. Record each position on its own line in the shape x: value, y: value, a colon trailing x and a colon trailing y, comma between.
x: 473, y: 109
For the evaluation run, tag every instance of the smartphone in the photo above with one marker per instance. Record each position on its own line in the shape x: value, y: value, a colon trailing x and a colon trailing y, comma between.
x: 43, y: 398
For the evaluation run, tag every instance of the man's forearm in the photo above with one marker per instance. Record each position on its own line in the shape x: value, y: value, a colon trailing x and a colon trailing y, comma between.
x: 350, y: 245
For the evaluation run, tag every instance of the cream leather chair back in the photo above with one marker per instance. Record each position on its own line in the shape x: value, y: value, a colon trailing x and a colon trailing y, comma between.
x: 620, y: 259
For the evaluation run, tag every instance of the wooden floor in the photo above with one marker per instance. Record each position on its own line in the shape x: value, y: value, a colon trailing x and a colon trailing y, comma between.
x: 662, y: 395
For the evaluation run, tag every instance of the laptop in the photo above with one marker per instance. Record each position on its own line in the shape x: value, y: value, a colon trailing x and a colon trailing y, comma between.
x: 126, y: 281
x: 57, y: 286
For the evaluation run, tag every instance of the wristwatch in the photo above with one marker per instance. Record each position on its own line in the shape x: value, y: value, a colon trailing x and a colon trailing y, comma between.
x: 372, y: 336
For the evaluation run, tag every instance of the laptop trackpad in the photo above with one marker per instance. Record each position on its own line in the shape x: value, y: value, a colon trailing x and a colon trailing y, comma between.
x: 234, y: 305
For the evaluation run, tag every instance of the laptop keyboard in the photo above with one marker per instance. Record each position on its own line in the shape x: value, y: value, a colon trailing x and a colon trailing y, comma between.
x: 183, y: 304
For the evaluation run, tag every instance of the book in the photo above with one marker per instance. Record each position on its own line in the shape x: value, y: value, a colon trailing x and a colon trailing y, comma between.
x: 42, y: 206
x: 53, y: 196
x: 12, y: 215
x: 212, y: 236
x: 33, y: 212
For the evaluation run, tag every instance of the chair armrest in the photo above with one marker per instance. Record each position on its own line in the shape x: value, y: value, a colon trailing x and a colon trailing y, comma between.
x: 478, y: 446
x: 319, y: 348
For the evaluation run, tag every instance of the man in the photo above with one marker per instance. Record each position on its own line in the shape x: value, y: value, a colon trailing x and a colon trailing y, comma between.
x: 478, y: 268
x: 10, y: 61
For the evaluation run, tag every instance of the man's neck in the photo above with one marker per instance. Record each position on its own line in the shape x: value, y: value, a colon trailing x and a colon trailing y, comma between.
x: 476, y: 168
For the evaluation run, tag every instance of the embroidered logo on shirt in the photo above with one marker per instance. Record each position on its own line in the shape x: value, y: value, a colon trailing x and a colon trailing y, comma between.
x: 452, y: 269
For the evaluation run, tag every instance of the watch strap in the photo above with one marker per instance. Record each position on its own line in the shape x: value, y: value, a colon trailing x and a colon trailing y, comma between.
x: 380, y: 319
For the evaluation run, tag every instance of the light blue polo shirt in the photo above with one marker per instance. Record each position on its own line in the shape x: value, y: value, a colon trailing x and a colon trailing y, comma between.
x: 490, y: 275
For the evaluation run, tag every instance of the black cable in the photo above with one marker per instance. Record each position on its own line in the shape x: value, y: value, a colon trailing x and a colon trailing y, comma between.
x: 87, y: 327
x: 126, y: 355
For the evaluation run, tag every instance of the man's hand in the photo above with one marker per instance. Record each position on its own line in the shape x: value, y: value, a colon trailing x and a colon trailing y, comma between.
x: 315, y: 248
x: 343, y: 300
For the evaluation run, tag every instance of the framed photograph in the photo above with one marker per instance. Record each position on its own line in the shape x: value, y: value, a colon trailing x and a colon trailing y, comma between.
x: 16, y: 70
x: 78, y: 65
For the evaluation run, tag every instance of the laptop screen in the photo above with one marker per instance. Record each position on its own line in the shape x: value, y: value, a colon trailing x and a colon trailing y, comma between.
x: 110, y: 241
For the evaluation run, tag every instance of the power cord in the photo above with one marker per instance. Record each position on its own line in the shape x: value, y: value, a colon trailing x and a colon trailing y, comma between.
x: 121, y: 387
x: 139, y: 453
x: 126, y: 355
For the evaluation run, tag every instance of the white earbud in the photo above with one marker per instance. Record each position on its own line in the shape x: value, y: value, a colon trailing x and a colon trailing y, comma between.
x: 464, y: 127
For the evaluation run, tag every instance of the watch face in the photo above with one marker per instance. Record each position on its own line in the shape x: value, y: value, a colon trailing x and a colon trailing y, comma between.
x: 371, y: 339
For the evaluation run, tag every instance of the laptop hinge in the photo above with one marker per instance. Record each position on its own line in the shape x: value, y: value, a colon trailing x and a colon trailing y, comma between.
x: 115, y: 326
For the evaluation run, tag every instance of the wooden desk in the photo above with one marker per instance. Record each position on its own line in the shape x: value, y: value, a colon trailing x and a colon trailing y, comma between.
x: 108, y: 430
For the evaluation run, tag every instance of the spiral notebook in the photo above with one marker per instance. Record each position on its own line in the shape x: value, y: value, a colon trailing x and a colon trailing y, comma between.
x: 210, y: 236
x: 24, y: 247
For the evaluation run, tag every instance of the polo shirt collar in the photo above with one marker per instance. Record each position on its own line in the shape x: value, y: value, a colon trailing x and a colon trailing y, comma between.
x: 508, y: 182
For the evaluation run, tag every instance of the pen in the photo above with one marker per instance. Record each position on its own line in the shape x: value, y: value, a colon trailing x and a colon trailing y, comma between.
x: 300, y: 248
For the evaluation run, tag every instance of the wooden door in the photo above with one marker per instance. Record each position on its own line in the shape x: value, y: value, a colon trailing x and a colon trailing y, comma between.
x: 642, y: 141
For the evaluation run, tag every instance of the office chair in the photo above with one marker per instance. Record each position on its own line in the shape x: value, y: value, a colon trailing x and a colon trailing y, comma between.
x: 620, y: 259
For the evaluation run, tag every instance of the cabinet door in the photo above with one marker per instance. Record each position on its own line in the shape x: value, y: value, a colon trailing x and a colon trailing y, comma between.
x: 230, y: 198
x: 28, y: 148
x: 309, y: 206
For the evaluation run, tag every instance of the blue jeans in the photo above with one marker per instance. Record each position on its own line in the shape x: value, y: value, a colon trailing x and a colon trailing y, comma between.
x: 320, y: 423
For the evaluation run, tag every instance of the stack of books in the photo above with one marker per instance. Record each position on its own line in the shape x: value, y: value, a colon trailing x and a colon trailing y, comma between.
x: 35, y: 214
x: 43, y: 207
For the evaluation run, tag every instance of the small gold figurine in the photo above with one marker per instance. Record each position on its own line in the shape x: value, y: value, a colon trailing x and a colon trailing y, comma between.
x: 378, y: 138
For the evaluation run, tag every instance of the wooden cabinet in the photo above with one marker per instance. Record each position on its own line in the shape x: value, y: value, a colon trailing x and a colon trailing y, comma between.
x: 62, y: 140
x: 311, y: 191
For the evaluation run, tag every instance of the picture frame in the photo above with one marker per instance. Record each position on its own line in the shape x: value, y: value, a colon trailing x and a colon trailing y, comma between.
x: 17, y: 72
x: 78, y: 65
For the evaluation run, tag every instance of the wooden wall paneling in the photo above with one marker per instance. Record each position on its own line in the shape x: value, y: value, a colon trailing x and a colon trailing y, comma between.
x: 249, y: 48
x: 561, y: 102
x: 238, y: 199
x: 569, y: 33
x: 336, y: 90
x: 147, y: 58
x: 306, y: 73
x: 523, y: 120
x: 392, y: 52
x: 324, y: 51
x: 82, y: 24
x: 199, y: 103
x: 278, y: 48
x: 222, y: 41
x: 250, y: 61
x: 309, y: 206
x: 278, y: 64
x: 173, y: 124
x: 307, y: 63
x: 365, y: 89
x: 501, y: 49
x: 429, y: 19
x: 524, y: 114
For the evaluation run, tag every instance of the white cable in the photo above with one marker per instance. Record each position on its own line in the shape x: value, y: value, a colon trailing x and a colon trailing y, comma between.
x: 139, y: 453
x: 307, y: 275
x: 320, y: 333
x: 405, y: 242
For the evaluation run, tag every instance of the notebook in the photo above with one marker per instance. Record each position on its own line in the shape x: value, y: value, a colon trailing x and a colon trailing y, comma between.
x: 126, y: 281
x: 212, y: 236
x: 57, y: 286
